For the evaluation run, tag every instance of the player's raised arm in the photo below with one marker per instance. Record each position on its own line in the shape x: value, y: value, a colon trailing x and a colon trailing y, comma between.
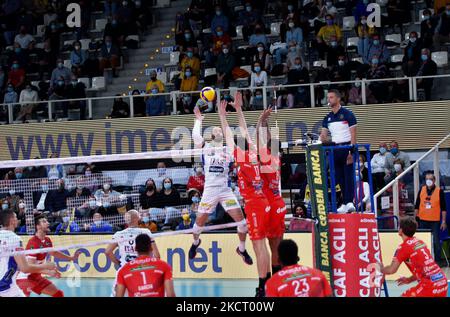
x: 262, y: 128
x: 237, y: 104
x: 26, y: 267
x: 169, y: 289
x: 110, y: 253
x: 197, y: 130
x: 225, y: 126
x: 66, y: 257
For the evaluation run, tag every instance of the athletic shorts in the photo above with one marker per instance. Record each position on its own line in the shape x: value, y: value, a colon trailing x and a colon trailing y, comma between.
x: 427, y: 290
x: 34, y: 283
x: 217, y: 195
x: 13, y: 291
x: 275, y: 220
x: 257, y: 212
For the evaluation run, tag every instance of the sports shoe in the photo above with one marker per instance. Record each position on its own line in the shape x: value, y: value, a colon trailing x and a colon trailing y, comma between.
x: 260, y: 292
x: 342, y: 209
x: 350, y: 207
x: 193, y: 249
x: 245, y: 256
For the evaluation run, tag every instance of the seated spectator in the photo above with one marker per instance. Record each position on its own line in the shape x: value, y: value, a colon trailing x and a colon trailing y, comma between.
x: 115, y: 30
x: 53, y: 34
x: 299, y: 221
x: 248, y: 19
x: 59, y: 92
x: 109, y: 56
x: 263, y: 57
x: 5, y: 205
x: 80, y: 191
x: 24, y: 39
x: 293, y: 35
x: 87, y: 209
x: 396, y: 154
x: 336, y: 50
x: 109, y: 199
x: 139, y: 104
x: 258, y: 37
x: 67, y: 225
x: 146, y: 223
x: 327, y: 34
x: 360, y: 10
x: 149, y: 197
x: 169, y: 195
x: 258, y: 76
x: 218, y: 40
x: 57, y: 198
x: 40, y: 200
x: 412, y: 52
x: 60, y: 71
x: 442, y: 30
x: 427, y: 68
x: 120, y: 108
x: 50, y: 15
x: 46, y: 58
x: 185, y: 104
x: 291, y: 56
x: 181, y: 23
x: 77, y: 90
x: 27, y: 95
x: 299, y: 75
x: 328, y: 9
x: 194, y: 198
x: 156, y: 104
x: 376, y: 48
x: 355, y: 94
x: 378, y: 165
x: 362, y: 198
x: 154, y: 81
x: 285, y: 99
x: 187, y: 222
x: 92, y: 67
x: 197, y: 181
x: 256, y: 100
x: 20, y: 55
x: 340, y: 71
x: 78, y: 57
x: 378, y: 71
x: 20, y: 210
x: 142, y: 15
x: 224, y: 67
x: 189, y: 81
x: 188, y: 41
x: 10, y: 95
x: 364, y: 33
x: 220, y: 20
x: 100, y: 225
x: 16, y: 76
x: 363, y: 166
x: 396, y: 10
x: 427, y: 28
x: 189, y: 60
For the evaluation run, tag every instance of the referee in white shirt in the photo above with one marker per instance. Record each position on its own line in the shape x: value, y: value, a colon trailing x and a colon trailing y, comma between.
x: 341, y: 123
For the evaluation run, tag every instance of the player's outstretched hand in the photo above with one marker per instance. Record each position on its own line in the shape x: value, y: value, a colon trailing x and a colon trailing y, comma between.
x: 237, y: 104
x: 403, y: 281
x: 49, y: 266
x: 198, y: 114
x: 223, y: 107
x: 53, y: 273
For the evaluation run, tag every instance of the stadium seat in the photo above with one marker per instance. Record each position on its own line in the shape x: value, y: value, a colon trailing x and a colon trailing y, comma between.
x: 85, y: 81
x: 207, y: 31
x: 174, y: 57
x: 239, y: 35
x: 35, y: 83
x: 358, y: 59
x: 239, y: 8
x: 40, y: 45
x: 85, y: 43
x: 440, y: 58
x: 382, y: 3
x: 98, y: 83
x: 162, y: 76
x: 348, y: 23
x: 397, y: 58
x: 40, y: 30
x: 395, y: 38
x: 322, y: 63
x: 173, y: 74
x: 275, y: 28
x: 68, y: 63
x: 210, y: 72
x: 100, y: 24
x: 352, y: 41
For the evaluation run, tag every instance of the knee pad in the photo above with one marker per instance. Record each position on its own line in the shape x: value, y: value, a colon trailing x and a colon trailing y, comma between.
x: 58, y: 294
x: 242, y: 226
x: 197, y: 229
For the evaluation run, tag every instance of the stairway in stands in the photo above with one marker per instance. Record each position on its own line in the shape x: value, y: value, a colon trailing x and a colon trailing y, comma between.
x: 165, y: 21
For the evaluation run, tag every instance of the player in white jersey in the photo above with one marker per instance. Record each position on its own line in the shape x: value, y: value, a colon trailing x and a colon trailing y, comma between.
x: 126, y: 240
x: 217, y: 187
x: 11, y: 265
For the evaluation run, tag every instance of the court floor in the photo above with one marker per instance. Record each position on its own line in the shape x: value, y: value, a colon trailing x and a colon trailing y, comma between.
x: 96, y: 287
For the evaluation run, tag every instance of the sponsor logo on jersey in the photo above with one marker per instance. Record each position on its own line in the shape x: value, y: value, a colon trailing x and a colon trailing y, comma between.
x: 436, y: 277
x: 296, y: 276
x: 419, y: 246
x: 216, y: 169
x: 143, y: 268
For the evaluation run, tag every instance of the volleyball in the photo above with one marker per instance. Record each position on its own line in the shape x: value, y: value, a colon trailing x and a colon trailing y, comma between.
x: 208, y: 94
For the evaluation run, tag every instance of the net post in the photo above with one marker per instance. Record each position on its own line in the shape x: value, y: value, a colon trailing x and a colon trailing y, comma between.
x: 29, y: 216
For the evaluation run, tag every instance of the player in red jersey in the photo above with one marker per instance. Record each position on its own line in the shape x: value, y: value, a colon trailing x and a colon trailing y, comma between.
x: 269, y: 158
x: 295, y: 280
x: 145, y: 276
x: 250, y: 186
x: 35, y: 282
x: 432, y: 281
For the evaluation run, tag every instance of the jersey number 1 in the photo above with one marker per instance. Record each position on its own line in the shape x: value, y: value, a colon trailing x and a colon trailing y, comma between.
x: 144, y: 278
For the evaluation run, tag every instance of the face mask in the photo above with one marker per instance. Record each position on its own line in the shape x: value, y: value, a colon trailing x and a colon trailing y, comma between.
x: 108, y: 44
x: 258, y: 97
x: 60, y: 83
x: 92, y: 203
x: 155, y: 91
x: 22, y: 205
x: 357, y: 178
x: 106, y: 204
x: 185, y: 217
x: 394, y: 151
x: 15, y: 66
x: 17, y: 49
x: 398, y: 167
x: 330, y: 22
x: 375, y: 61
x: 376, y: 42
x: 106, y: 186
x: 383, y: 150
x: 19, y: 175
x: 12, y: 192
x: 260, y: 49
x: 195, y: 200
x: 187, y: 36
x: 60, y: 65
x: 412, y: 39
x: 66, y: 219
x: 190, y: 54
x: 44, y: 188
x: 341, y: 62
x: 87, y: 173
x: 257, y: 69
x: 199, y: 170
x: 333, y: 43
x: 290, y: 7
x: 424, y: 57
x: 292, y: 48
x: 188, y: 74
x: 248, y: 8
x: 363, y: 22
x: 358, y: 84
x: 97, y: 222
x: 153, y: 78
x: 5, y: 206
x: 219, y: 12
x: 297, y: 66
x: 167, y: 186
x: 429, y: 182
x: 145, y: 219
x: 77, y: 47
x: 291, y: 25
x: 220, y: 33
x: 426, y: 17
x: 10, y: 89
x: 225, y: 51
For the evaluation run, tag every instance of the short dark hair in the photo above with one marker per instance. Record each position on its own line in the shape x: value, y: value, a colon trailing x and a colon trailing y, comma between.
x: 6, y: 216
x: 37, y: 219
x: 408, y: 226
x: 143, y: 243
x: 430, y: 173
x: 288, y: 252
x: 336, y: 92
